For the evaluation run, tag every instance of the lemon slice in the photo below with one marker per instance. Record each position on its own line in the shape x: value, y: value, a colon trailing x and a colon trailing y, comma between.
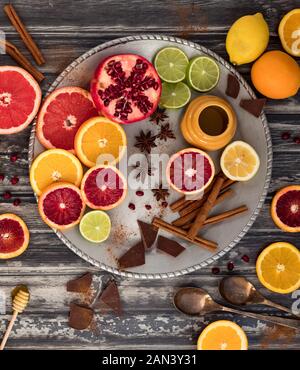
x: 239, y: 161
x: 95, y: 226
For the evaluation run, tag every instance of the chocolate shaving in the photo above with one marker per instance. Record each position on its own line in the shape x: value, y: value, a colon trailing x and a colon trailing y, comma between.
x: 148, y: 234
x: 134, y: 257
x: 233, y: 86
x: 110, y: 297
x: 169, y: 246
x: 80, y: 317
x: 253, y: 106
x: 80, y: 285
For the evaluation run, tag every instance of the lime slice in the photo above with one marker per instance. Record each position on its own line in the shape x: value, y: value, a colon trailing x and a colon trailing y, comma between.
x: 203, y: 73
x: 171, y: 64
x: 174, y: 95
x: 95, y: 226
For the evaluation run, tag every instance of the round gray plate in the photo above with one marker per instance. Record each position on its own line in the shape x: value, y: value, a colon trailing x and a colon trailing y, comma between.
x: 125, y: 231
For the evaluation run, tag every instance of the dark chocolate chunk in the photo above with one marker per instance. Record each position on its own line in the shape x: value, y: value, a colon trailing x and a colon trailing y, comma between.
x: 253, y: 106
x: 169, y: 246
x: 80, y: 317
x: 80, y: 285
x: 148, y: 234
x: 233, y: 86
x: 110, y: 297
x: 135, y: 256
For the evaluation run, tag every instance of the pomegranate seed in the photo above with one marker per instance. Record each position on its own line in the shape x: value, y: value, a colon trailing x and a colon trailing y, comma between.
x: 285, y: 135
x: 17, y: 202
x: 297, y: 140
x: 131, y: 206
x: 7, y: 195
x: 14, y: 180
x: 139, y: 193
x: 245, y: 258
x: 165, y: 204
x: 215, y: 270
x: 230, y: 266
x: 2, y: 177
x: 14, y: 157
x: 148, y: 207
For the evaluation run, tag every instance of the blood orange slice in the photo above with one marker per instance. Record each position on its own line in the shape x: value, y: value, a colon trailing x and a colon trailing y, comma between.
x: 61, y: 205
x: 20, y: 98
x: 14, y: 236
x: 190, y: 171
x: 61, y: 115
x: 285, y: 208
x: 103, y: 187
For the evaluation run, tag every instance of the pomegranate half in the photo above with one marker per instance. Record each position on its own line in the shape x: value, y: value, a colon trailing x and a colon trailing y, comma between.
x: 126, y: 88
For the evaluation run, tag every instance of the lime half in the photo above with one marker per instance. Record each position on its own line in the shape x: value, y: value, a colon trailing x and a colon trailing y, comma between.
x: 171, y: 64
x: 95, y: 226
x: 174, y: 95
x: 203, y: 73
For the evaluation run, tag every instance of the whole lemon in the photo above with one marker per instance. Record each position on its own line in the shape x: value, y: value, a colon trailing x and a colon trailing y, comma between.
x: 247, y: 39
x: 276, y: 75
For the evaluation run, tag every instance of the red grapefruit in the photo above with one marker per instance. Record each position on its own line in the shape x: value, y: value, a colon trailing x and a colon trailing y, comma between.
x: 61, y: 205
x: 103, y: 187
x: 190, y: 171
x: 61, y: 115
x: 126, y: 88
x: 20, y: 98
x: 14, y: 236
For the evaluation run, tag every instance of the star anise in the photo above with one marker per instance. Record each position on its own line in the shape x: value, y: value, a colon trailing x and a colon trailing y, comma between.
x: 160, y: 193
x: 159, y: 116
x: 143, y: 170
x: 145, y: 142
x: 166, y: 132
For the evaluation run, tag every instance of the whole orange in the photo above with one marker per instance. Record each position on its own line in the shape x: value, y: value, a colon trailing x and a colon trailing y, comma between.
x: 276, y: 75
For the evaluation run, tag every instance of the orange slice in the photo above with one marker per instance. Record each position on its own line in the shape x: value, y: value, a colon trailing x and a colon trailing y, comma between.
x: 54, y: 165
x: 223, y: 335
x: 100, y: 141
x: 289, y: 32
x: 278, y: 267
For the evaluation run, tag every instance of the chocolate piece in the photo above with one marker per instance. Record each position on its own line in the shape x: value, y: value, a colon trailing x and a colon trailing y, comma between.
x: 80, y: 285
x: 80, y: 317
x: 169, y: 246
x: 233, y: 86
x: 253, y: 106
x: 110, y: 298
x: 135, y: 256
x: 148, y: 234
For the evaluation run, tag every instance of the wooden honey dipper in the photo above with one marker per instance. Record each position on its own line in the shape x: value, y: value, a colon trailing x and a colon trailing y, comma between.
x: 20, y: 302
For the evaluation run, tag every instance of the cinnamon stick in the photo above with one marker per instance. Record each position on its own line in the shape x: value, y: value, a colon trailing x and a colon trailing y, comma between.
x: 205, y: 209
x: 158, y: 222
x: 179, y: 204
x: 22, y: 31
x: 15, y: 53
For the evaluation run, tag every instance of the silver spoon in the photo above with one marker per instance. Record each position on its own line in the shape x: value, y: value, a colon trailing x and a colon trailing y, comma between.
x: 197, y: 302
x: 239, y: 291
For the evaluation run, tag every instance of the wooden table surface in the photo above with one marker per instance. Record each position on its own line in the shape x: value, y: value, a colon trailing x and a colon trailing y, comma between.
x: 64, y: 30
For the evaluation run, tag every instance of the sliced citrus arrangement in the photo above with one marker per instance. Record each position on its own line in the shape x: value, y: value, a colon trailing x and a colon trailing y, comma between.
x: 54, y: 165
x: 223, y: 335
x: 289, y: 32
x: 14, y: 236
x: 174, y: 96
x: 20, y: 98
x: 100, y: 141
x: 103, y: 187
x: 203, y: 73
x: 171, y: 64
x: 61, y: 205
x: 285, y: 208
x: 239, y: 161
x: 190, y: 171
x: 61, y: 115
x: 278, y: 267
x: 95, y: 226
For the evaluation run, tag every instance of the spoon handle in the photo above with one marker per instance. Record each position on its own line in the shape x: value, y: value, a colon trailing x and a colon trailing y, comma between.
x: 279, y: 307
x: 290, y: 323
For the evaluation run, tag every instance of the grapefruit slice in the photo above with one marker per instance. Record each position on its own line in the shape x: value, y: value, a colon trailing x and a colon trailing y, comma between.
x: 61, y: 205
x: 61, y: 115
x: 14, y: 236
x: 103, y: 187
x: 20, y: 98
x: 285, y: 209
x: 190, y: 171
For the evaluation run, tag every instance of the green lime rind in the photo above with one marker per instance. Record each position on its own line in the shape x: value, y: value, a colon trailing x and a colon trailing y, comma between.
x: 174, y: 96
x: 203, y: 73
x: 171, y: 64
x: 95, y: 226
